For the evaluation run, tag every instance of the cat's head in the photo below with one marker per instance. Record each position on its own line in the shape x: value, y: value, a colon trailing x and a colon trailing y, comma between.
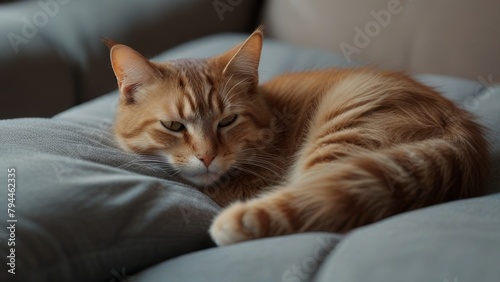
x: 198, y: 115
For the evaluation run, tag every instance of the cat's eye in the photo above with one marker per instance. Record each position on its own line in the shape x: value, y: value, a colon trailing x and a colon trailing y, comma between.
x: 227, y: 120
x: 174, y: 126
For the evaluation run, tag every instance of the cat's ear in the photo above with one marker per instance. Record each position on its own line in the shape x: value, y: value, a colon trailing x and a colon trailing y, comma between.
x: 131, y: 69
x: 244, y: 58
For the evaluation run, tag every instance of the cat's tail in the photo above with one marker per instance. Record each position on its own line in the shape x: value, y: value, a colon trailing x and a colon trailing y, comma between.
x: 370, y: 186
x: 421, y: 173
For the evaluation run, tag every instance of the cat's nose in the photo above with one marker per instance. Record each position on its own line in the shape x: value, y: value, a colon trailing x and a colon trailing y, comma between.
x: 206, y: 159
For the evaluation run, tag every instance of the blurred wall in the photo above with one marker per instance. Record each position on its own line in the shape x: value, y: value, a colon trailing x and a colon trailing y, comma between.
x: 452, y: 37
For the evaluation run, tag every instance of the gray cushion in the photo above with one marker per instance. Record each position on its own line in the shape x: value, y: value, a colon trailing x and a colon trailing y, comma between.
x: 453, y: 242
x: 86, y: 210
x: 89, y: 212
x: 286, y: 258
x: 458, y: 241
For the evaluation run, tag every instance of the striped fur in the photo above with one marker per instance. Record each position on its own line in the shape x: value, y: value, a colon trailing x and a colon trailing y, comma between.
x: 323, y: 150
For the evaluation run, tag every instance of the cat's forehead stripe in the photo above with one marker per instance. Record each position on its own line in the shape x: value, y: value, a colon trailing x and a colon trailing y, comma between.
x: 199, y: 89
x: 179, y: 105
x: 139, y: 129
x: 219, y: 104
x: 190, y: 101
x: 211, y: 88
x: 181, y: 83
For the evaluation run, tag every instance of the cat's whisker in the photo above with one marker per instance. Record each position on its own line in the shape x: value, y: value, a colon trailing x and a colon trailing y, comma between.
x: 236, y: 85
x: 259, y: 153
x: 155, y: 162
x: 263, y: 162
x: 92, y: 141
x: 138, y: 163
x: 227, y: 83
x: 244, y: 169
x: 277, y: 173
x: 228, y: 95
x: 233, y: 106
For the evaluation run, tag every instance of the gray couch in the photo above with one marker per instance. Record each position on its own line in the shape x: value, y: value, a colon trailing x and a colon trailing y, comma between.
x: 87, y: 211
x: 49, y: 66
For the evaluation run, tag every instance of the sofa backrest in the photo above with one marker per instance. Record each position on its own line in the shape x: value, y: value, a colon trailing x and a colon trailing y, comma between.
x: 458, y: 38
x: 52, y: 55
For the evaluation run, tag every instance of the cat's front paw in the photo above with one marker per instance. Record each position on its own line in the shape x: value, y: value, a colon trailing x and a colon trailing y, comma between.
x: 240, y: 222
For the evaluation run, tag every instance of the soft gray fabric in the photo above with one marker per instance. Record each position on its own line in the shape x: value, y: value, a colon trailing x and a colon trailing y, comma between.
x: 458, y: 241
x: 86, y: 210
x: 89, y: 212
x: 453, y: 242
x: 290, y: 258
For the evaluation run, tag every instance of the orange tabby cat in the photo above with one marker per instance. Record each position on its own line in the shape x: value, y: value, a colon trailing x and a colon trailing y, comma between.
x: 323, y: 150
